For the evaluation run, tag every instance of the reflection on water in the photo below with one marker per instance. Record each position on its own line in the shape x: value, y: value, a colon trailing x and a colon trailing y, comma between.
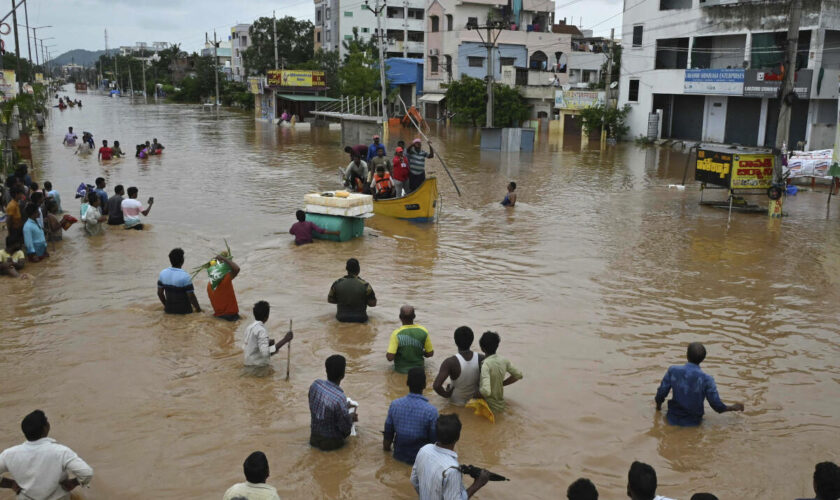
x: 595, y: 281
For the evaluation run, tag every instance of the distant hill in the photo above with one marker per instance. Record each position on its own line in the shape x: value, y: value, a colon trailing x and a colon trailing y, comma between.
x: 79, y: 56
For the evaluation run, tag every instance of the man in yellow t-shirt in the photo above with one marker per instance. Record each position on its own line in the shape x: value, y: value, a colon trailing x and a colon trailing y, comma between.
x: 12, y: 259
x: 409, y: 343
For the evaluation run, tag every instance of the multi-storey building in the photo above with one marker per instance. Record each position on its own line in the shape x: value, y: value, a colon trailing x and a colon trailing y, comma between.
x: 402, y: 24
x: 710, y: 70
x: 528, y: 51
x: 240, y: 39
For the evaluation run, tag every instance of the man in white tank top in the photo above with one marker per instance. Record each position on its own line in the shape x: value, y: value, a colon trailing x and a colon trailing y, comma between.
x: 462, y: 369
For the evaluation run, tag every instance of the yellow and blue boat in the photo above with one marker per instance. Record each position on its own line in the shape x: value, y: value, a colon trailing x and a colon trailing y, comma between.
x: 418, y: 205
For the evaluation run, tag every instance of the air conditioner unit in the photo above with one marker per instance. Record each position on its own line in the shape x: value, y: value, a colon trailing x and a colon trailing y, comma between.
x: 433, y: 52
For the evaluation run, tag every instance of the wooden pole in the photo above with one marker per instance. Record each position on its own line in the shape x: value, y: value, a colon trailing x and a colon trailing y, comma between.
x: 289, y: 353
x: 439, y: 157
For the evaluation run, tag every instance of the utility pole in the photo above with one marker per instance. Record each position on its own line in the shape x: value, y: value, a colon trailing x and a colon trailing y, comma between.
x: 607, y: 89
x: 143, y: 62
x: 17, y: 47
x: 377, y: 10
x: 216, y: 61
x: 490, y: 44
x: 274, y: 24
x: 787, y: 96
x: 130, y: 81
x: 29, y: 45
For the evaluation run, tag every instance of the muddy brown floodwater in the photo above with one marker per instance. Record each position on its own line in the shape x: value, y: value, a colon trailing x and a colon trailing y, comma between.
x: 596, y: 281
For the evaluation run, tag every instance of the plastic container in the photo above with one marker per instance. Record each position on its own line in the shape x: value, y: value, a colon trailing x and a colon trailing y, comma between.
x: 348, y: 227
x: 792, y: 190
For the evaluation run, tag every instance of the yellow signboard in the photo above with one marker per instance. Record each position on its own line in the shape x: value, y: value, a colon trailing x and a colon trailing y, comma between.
x: 293, y: 78
x: 8, y: 84
x: 255, y: 85
x: 39, y: 77
x: 752, y: 171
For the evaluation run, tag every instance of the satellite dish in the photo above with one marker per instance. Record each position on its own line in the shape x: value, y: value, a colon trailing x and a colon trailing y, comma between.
x: 613, y: 85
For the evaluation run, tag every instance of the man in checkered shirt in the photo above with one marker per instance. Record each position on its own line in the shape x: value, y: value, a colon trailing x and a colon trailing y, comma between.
x: 331, y: 419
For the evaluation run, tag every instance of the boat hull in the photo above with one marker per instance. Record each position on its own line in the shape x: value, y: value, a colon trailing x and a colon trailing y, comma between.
x: 417, y: 206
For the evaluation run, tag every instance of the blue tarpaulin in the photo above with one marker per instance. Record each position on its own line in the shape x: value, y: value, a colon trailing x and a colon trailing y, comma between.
x: 405, y: 71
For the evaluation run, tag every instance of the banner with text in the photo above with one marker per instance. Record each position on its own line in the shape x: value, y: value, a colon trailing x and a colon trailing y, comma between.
x: 578, y: 99
x: 714, y: 81
x: 293, y: 78
x: 8, y: 84
x: 758, y: 83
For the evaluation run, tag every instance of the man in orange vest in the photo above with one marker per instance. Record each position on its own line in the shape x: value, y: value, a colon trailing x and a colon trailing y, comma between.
x: 382, y: 185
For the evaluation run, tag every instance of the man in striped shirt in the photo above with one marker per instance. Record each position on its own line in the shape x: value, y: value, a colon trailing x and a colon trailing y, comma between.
x: 331, y: 420
x: 436, y: 474
x: 417, y: 164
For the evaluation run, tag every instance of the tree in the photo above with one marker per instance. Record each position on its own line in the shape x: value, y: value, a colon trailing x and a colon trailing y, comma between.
x: 593, y: 116
x: 510, y: 108
x: 467, y: 99
x: 326, y: 61
x: 359, y: 76
x: 295, y: 43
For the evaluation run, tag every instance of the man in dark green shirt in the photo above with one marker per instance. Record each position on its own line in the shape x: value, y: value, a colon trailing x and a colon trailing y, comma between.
x: 352, y: 295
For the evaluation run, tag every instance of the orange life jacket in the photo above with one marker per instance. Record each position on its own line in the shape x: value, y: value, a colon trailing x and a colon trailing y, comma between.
x: 383, y: 183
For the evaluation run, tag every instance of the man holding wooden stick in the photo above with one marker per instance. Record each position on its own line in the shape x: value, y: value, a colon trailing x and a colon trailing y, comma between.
x: 257, y: 346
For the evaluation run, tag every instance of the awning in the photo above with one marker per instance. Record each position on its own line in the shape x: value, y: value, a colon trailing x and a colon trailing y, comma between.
x: 306, y: 98
x: 432, y: 97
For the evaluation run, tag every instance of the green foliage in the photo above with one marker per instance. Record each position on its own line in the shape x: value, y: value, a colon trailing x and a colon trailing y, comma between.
x: 200, y: 85
x: 295, y: 43
x: 236, y: 94
x: 594, y: 116
x: 616, y: 69
x: 359, y: 76
x: 643, y: 140
x: 509, y: 107
x: 467, y: 99
x: 326, y: 61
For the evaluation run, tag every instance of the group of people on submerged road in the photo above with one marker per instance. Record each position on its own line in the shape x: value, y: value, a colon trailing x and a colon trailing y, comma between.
x: 106, y: 152
x: 371, y: 172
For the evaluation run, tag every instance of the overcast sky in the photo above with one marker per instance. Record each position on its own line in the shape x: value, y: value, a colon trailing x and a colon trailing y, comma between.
x: 81, y: 24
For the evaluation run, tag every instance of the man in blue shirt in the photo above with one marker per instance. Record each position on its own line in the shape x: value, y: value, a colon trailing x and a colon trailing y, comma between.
x: 412, y: 419
x: 175, y: 287
x: 371, y: 152
x: 691, y: 386
x: 330, y: 418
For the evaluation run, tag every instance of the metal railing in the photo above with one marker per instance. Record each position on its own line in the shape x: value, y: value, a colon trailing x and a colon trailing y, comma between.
x: 352, y: 105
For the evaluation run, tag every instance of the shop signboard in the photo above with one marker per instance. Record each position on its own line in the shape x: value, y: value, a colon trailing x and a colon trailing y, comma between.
x: 8, y: 84
x: 255, y: 85
x: 714, y: 81
x: 578, y: 99
x: 759, y: 83
x: 294, y: 78
x: 734, y: 170
x: 752, y: 171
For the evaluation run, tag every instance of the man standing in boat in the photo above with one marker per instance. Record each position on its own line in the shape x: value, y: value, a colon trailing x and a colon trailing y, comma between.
x: 417, y: 164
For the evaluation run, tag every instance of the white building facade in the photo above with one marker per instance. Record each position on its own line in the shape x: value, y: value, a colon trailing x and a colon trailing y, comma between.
x: 710, y: 70
x: 528, y: 53
x: 240, y: 39
x: 403, y: 25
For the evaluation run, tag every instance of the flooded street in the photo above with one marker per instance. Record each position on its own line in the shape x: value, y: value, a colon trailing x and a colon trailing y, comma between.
x: 596, y: 282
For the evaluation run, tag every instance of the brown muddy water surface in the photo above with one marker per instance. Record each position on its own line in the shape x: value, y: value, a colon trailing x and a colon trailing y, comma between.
x: 596, y: 281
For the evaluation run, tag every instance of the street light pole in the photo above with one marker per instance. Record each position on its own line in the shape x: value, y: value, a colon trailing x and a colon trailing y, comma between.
x: 376, y: 11
x: 274, y: 23
x: 490, y: 44
x: 17, y: 46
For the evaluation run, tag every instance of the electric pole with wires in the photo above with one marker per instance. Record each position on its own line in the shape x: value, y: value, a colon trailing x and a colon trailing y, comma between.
x: 494, y: 29
x: 377, y: 10
x: 787, y: 96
